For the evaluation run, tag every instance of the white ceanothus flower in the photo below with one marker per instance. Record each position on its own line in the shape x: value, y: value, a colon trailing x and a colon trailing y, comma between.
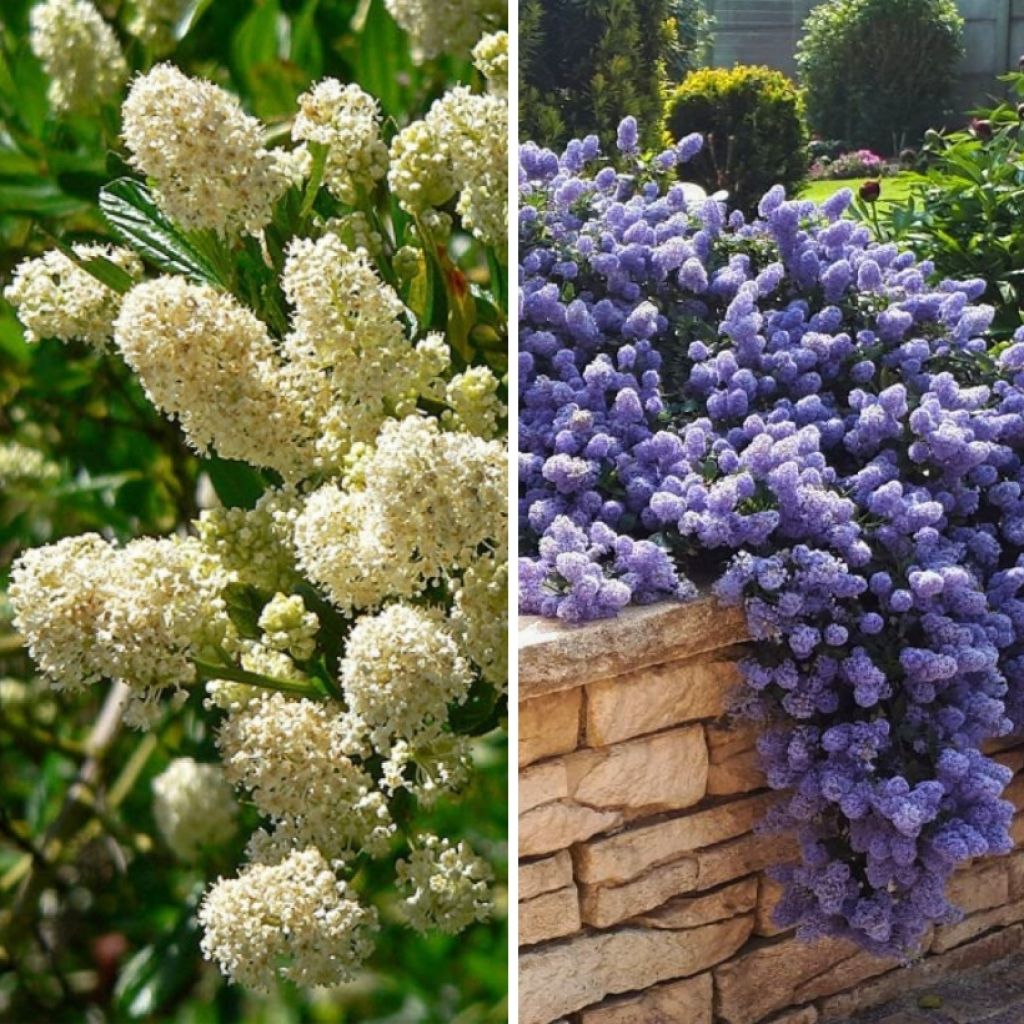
x: 156, y: 21
x: 287, y: 626
x: 194, y: 807
x: 294, y: 919
x: 55, y: 298
x: 350, y: 362
x: 480, y: 617
x: 346, y: 120
x: 89, y: 610
x: 79, y: 53
x: 473, y: 399
x: 206, y: 360
x: 460, y: 146
x: 22, y: 466
x: 490, y: 56
x: 255, y: 544
x: 448, y: 886
x: 446, y: 26
x: 437, y: 764
x: 204, y: 153
x: 400, y: 672
x: 421, y: 502
x: 298, y: 760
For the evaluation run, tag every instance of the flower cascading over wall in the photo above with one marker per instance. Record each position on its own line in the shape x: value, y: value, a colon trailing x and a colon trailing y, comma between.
x: 811, y: 423
x: 331, y: 314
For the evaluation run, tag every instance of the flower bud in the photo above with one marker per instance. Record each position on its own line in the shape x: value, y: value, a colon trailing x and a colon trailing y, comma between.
x: 870, y: 191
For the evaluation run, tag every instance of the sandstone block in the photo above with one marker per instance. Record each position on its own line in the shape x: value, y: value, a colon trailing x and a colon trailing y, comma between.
x: 540, y: 876
x: 549, y: 916
x: 549, y: 725
x: 656, y: 698
x: 619, y: 858
x: 1014, y: 792
x: 541, y: 784
x: 553, y: 655
x: 603, y: 906
x: 1012, y: 758
x: 734, y: 762
x: 557, y: 826
x: 581, y: 971
x: 742, y: 856
x: 789, y: 973
x: 692, y: 911
x: 805, y: 1015
x: 665, y: 772
x: 898, y: 982
x: 950, y: 935
x: 1015, y: 873
x: 680, y: 1002
x: 982, y: 885
x: 768, y: 895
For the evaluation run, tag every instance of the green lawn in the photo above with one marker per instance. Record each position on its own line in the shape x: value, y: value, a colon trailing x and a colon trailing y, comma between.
x: 893, y: 189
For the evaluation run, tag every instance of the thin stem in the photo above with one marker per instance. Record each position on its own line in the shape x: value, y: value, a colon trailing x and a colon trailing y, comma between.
x: 209, y: 672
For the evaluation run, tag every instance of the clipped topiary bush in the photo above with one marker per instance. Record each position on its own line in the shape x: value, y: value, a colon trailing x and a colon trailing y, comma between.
x: 879, y: 73
x: 753, y: 120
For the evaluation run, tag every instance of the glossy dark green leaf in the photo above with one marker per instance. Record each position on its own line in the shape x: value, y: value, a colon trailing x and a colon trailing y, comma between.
x: 236, y: 484
x: 129, y: 209
x: 244, y: 605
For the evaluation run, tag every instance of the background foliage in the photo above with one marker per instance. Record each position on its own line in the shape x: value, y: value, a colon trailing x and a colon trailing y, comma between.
x: 586, y: 64
x: 879, y: 73
x: 101, y: 926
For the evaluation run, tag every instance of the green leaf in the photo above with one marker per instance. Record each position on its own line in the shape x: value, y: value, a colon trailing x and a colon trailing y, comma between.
x: 191, y: 14
x: 114, y: 277
x: 160, y: 971
x: 236, y: 484
x: 244, y: 605
x: 129, y: 209
x: 318, y: 150
x: 382, y: 61
x: 479, y: 713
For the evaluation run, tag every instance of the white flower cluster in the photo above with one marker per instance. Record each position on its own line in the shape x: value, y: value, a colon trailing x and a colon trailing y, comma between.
x: 448, y: 886
x: 400, y: 671
x: 339, y: 624
x: 490, y: 56
x: 55, y: 298
x: 194, y: 807
x: 204, y: 153
x: 297, y: 913
x: 295, y: 757
x: 347, y: 121
x: 460, y: 146
x: 351, y: 364
x: 446, y: 26
x: 226, y: 394
x: 23, y: 466
x: 90, y: 610
x: 79, y: 53
x: 421, y: 503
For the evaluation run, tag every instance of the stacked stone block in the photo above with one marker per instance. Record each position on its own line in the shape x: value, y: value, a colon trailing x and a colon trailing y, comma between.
x: 643, y: 897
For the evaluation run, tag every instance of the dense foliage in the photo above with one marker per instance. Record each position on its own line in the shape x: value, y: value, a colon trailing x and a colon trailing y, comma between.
x: 879, y: 73
x: 690, y: 27
x: 109, y: 837
x: 753, y: 122
x: 811, y: 421
x: 966, y: 213
x: 585, y: 65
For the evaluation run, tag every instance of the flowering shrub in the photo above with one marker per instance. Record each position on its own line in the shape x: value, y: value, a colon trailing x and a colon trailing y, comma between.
x: 799, y: 414
x: 861, y: 163
x: 320, y: 321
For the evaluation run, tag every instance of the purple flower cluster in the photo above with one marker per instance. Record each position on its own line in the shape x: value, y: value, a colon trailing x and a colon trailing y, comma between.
x: 806, y: 418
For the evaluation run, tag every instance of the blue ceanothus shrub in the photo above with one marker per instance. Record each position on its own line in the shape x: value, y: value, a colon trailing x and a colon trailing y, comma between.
x: 807, y: 420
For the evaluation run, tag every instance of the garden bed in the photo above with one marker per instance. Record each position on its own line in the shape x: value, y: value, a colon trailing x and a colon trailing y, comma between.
x: 643, y: 892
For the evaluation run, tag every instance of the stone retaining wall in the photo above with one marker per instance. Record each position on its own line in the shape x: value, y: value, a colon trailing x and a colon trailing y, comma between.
x: 643, y: 898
